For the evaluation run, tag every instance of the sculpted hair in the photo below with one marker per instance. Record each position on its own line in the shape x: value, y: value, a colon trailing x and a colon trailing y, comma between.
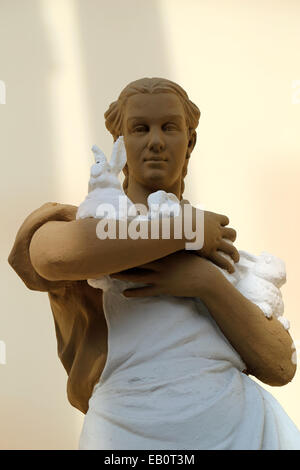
x: 115, y: 114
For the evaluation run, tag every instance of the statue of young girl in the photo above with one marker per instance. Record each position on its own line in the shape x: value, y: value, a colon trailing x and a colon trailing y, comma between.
x: 166, y: 365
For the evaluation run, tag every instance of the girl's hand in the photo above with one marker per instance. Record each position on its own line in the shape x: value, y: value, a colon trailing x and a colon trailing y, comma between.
x: 216, y: 236
x: 181, y: 274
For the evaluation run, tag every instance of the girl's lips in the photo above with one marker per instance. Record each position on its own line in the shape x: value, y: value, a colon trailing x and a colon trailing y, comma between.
x: 155, y: 160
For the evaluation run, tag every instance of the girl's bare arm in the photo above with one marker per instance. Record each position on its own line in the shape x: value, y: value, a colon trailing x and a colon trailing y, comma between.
x: 72, y: 251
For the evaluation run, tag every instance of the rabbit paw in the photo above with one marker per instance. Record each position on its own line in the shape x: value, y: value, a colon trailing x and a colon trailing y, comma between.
x: 265, y: 307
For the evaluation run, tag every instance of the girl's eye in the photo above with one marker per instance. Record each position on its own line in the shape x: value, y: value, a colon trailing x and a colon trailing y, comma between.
x: 167, y: 127
x: 140, y: 129
x: 170, y: 127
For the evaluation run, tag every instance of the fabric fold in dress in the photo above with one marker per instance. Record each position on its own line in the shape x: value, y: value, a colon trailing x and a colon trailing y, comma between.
x: 173, y: 381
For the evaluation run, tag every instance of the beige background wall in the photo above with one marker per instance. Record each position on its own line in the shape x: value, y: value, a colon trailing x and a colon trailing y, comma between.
x: 63, y: 62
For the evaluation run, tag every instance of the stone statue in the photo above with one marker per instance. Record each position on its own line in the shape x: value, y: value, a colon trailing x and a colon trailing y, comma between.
x: 161, y: 355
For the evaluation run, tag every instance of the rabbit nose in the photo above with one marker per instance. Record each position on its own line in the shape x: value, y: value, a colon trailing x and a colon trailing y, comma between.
x: 95, y: 170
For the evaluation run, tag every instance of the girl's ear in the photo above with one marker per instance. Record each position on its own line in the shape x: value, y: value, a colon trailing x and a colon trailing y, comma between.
x: 192, y: 142
x: 125, y: 182
x: 185, y: 168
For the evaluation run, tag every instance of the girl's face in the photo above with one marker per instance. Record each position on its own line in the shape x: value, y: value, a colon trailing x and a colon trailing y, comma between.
x: 156, y: 139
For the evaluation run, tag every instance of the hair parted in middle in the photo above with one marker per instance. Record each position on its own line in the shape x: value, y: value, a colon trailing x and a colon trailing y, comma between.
x: 114, y: 116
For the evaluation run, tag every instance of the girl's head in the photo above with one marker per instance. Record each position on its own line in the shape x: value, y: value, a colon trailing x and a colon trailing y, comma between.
x: 155, y: 133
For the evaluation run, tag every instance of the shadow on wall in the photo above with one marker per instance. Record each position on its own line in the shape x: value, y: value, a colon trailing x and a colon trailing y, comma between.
x: 26, y: 128
x: 32, y: 402
x: 119, y: 42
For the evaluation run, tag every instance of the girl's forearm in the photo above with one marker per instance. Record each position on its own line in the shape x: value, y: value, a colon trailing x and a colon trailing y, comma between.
x: 73, y: 251
x: 263, y: 344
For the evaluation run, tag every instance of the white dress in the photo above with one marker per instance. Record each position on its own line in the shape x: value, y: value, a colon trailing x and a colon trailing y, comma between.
x: 173, y: 381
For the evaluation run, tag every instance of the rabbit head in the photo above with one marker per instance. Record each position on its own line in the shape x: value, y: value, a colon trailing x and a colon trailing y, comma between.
x: 104, y: 174
x: 271, y: 268
x: 162, y: 202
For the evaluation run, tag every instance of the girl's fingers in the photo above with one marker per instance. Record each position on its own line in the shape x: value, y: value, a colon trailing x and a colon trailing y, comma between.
x: 141, y: 292
x: 230, y: 250
x: 229, y: 233
x: 224, y: 220
x: 222, y: 262
x: 133, y: 277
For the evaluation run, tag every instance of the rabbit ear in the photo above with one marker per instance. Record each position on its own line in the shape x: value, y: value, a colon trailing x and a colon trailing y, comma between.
x: 118, y: 157
x: 173, y: 197
x: 248, y: 256
x: 99, y: 155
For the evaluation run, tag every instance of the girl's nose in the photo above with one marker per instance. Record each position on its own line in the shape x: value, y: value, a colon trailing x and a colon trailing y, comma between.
x: 156, y: 141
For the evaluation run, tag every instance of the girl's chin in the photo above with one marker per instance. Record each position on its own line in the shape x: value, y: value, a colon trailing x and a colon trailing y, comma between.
x: 156, y: 174
x: 157, y: 183
x: 156, y: 180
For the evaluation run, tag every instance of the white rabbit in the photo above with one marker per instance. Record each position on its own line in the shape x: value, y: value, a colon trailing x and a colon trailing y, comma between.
x: 261, y: 284
x: 271, y: 268
x: 259, y: 279
x: 161, y: 202
x: 104, y: 185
